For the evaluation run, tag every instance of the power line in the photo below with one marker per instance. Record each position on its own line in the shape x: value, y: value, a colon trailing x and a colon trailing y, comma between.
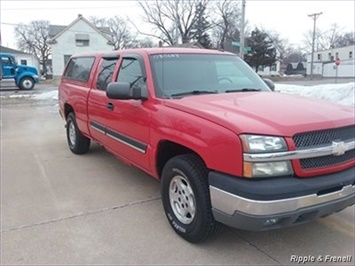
x: 59, y: 8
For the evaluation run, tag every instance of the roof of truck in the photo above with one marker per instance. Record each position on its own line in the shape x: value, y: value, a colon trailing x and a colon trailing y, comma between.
x: 158, y: 50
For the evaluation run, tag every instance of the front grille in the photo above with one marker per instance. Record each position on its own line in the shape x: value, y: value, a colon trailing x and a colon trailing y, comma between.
x: 326, y: 161
x: 323, y: 138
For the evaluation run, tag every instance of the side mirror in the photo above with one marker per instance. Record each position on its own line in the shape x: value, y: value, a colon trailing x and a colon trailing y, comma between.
x: 122, y: 91
x: 270, y: 84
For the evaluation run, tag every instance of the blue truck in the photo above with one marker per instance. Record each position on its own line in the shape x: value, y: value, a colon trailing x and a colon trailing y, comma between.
x: 25, y: 76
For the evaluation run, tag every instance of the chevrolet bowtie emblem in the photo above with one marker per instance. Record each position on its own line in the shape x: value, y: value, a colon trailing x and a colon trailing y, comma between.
x: 338, y: 148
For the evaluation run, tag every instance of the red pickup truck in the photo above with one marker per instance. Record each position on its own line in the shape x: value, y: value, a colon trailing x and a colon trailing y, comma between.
x: 226, y: 149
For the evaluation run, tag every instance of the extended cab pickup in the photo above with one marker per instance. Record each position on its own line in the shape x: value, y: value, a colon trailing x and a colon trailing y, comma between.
x: 226, y: 149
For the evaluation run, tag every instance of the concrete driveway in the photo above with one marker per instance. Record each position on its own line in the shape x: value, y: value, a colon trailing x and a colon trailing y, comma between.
x: 60, y: 208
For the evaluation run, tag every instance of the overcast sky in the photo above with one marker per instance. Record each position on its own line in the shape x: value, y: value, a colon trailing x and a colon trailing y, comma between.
x: 288, y: 17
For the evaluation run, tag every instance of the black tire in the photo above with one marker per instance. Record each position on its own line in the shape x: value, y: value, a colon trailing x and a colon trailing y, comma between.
x: 77, y: 143
x: 26, y: 83
x: 184, y: 188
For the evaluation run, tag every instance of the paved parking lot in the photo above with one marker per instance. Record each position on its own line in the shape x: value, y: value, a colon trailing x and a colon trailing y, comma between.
x: 60, y: 208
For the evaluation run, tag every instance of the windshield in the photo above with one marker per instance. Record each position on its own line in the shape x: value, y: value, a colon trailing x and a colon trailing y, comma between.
x: 193, y: 74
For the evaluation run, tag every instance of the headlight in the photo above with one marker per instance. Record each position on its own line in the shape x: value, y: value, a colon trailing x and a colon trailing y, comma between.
x: 265, y: 144
x: 261, y: 144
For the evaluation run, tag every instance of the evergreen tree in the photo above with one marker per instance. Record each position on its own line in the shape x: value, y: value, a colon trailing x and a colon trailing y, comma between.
x: 200, y: 27
x: 263, y: 51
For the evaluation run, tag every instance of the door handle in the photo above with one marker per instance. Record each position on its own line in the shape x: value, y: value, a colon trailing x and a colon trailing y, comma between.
x: 110, y: 106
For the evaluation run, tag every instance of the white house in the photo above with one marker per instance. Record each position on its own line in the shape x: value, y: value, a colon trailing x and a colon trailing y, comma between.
x: 81, y: 36
x: 22, y: 58
x: 275, y: 68
x: 324, y: 62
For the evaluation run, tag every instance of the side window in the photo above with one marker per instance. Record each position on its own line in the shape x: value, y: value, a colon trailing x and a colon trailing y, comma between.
x: 79, y: 68
x: 105, y: 74
x: 131, y: 72
x: 5, y: 60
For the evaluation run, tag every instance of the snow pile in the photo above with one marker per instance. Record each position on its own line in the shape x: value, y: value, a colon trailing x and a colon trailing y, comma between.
x: 46, y: 95
x: 339, y: 93
x: 18, y: 96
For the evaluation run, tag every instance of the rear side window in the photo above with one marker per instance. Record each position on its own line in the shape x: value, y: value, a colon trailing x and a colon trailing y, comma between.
x: 105, y: 74
x: 79, y: 68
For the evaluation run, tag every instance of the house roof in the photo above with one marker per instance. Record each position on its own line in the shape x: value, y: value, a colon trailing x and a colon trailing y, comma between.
x: 11, y: 51
x: 56, y: 30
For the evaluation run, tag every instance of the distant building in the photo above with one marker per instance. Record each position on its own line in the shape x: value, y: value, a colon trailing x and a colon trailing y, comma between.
x: 81, y: 36
x: 324, y: 62
x: 22, y: 58
x: 299, y: 68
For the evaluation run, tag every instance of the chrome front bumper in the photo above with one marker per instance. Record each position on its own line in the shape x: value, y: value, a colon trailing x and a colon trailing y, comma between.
x: 279, y: 202
x: 229, y: 203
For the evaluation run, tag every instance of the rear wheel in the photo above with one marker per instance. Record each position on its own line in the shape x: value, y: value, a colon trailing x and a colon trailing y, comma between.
x: 26, y: 83
x: 77, y: 143
x: 186, y: 198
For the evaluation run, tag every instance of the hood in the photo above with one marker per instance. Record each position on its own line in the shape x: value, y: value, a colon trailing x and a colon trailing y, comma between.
x: 266, y: 113
x: 23, y: 68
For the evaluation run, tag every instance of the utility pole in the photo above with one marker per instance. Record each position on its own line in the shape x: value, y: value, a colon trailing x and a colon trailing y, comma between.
x: 314, y: 17
x: 242, y: 31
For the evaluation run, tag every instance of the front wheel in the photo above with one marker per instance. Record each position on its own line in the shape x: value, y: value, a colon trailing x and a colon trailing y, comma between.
x: 26, y: 83
x: 186, y: 198
x: 77, y: 143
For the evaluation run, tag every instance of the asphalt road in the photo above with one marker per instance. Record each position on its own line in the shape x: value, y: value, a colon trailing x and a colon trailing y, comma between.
x: 60, y: 208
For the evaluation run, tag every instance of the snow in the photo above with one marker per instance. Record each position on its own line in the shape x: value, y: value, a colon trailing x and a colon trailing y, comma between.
x: 338, y: 93
x: 18, y: 96
x: 46, y: 95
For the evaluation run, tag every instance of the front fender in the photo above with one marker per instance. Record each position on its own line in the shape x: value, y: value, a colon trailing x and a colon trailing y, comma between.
x: 219, y: 147
x: 27, y: 74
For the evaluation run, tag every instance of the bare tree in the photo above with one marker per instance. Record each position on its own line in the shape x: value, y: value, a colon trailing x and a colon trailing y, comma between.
x: 331, y: 38
x: 227, y: 22
x: 280, y: 43
x: 33, y: 38
x: 122, y: 35
x: 172, y: 20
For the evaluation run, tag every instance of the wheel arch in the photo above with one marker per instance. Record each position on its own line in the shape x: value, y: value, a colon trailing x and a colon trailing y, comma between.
x: 67, y: 110
x: 168, y: 149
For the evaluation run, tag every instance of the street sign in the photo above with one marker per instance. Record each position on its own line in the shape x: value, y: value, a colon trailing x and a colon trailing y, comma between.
x: 235, y: 43
x: 247, y: 49
x: 337, y: 61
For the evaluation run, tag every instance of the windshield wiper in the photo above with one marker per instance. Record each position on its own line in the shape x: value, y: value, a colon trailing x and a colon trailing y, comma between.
x: 194, y: 92
x: 243, y: 90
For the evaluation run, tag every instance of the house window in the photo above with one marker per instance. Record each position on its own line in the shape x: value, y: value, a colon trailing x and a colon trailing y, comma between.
x: 319, y: 56
x: 82, y: 40
x: 336, y: 55
x: 273, y: 67
x: 330, y: 56
x: 350, y: 54
x: 23, y: 62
